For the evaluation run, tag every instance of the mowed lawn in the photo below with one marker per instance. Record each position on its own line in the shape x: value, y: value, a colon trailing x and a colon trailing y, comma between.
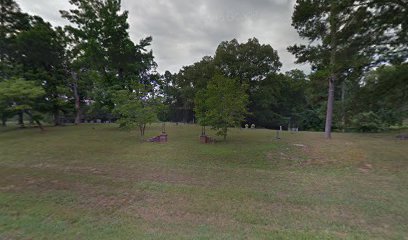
x: 99, y: 182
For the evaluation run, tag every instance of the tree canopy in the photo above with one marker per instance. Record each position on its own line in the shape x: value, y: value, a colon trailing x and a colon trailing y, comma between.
x: 348, y: 37
x: 222, y: 104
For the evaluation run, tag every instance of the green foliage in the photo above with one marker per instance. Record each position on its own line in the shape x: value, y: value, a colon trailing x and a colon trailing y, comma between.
x: 348, y: 37
x: 101, y: 45
x: 94, y: 61
x: 384, y: 92
x: 367, y: 122
x: 248, y: 62
x: 355, y: 30
x: 17, y: 94
x: 39, y: 56
x: 186, y: 84
x: 201, y: 107
x: 135, y: 110
x: 281, y: 100
x: 101, y: 42
x: 223, y: 104
x: 12, y: 21
x: 251, y: 63
x: 20, y: 96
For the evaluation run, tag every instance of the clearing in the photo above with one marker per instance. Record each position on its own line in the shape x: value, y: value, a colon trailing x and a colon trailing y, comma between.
x: 99, y: 182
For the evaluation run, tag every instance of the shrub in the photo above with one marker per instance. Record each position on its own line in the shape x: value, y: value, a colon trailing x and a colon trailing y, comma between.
x: 367, y: 122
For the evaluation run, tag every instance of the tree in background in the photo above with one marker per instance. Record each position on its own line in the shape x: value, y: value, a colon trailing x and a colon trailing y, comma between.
x: 222, y: 105
x: 384, y: 93
x: 249, y: 62
x: 31, y: 49
x: 189, y: 81
x: 101, y: 46
x: 85, y: 66
x: 12, y: 22
x: 280, y: 100
x: 170, y: 95
x: 347, y: 36
x: 201, y: 109
x: 136, y: 109
x: 20, y: 96
x: 252, y: 63
x: 323, y: 22
x: 273, y: 98
x: 41, y: 53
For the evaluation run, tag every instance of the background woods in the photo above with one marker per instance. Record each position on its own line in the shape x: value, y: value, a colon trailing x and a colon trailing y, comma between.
x: 91, y: 69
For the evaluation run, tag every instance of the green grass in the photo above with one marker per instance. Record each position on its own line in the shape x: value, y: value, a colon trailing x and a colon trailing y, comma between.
x: 99, y: 182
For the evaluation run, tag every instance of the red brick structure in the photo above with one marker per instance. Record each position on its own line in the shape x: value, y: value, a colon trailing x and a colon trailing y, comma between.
x: 206, y: 139
x: 163, y: 138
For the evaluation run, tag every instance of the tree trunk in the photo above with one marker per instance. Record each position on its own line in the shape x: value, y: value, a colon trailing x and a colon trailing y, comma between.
x: 30, y: 119
x: 142, y: 128
x: 77, y: 101
x: 332, y: 77
x: 20, y: 119
x: 289, y: 125
x: 185, y: 114
x: 56, y: 114
x: 329, y: 112
x: 120, y: 76
x: 4, y: 121
x: 74, y: 87
x: 343, y: 106
x: 35, y: 120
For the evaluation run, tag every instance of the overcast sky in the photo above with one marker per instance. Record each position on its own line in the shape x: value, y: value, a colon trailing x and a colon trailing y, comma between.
x: 184, y: 31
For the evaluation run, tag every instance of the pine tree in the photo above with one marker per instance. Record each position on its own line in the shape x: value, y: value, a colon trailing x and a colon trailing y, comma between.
x: 348, y: 36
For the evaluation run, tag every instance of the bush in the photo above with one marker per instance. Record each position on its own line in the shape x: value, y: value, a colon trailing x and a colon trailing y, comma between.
x: 367, y: 122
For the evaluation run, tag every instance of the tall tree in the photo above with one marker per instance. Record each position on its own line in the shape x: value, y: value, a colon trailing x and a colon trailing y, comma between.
x: 170, y: 94
x: 41, y: 52
x: 190, y: 80
x: 385, y: 93
x: 101, y: 43
x: 346, y: 36
x: 249, y: 62
x: 12, y: 21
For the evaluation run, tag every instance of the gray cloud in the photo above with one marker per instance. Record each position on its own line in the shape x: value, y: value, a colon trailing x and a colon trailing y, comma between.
x: 186, y: 30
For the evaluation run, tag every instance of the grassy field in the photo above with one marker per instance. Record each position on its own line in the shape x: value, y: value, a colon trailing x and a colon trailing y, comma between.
x: 99, y: 182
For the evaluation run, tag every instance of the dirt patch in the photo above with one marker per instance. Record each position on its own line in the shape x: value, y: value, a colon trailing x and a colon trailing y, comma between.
x: 365, y: 168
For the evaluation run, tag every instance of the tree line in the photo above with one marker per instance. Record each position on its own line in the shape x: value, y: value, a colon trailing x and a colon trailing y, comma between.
x: 92, y: 69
